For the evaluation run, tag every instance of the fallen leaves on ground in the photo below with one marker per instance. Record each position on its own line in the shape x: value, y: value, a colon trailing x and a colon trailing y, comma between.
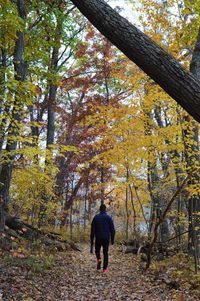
x: 72, y: 276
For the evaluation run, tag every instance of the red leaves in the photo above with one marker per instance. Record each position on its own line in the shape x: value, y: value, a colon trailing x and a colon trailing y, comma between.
x: 81, y: 50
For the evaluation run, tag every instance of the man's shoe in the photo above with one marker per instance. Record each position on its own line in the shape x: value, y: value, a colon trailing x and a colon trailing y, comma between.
x: 105, y: 270
x: 98, y: 264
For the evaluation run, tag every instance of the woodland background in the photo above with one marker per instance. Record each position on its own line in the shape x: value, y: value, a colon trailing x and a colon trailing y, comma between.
x: 80, y: 125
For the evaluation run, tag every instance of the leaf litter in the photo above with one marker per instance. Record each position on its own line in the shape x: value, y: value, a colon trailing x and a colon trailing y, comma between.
x: 73, y: 277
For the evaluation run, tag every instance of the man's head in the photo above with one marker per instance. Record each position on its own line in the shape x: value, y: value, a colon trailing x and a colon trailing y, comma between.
x: 102, y: 208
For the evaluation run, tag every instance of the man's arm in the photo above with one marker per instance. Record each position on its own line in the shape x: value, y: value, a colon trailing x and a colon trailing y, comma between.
x: 112, y: 230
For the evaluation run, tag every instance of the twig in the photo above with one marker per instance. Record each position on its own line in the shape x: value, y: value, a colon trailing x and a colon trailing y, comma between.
x: 109, y: 192
x: 163, y: 242
x: 142, y: 209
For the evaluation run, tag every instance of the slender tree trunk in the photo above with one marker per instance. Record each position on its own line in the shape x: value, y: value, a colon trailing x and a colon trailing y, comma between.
x: 85, y: 213
x: 3, y: 112
x: 20, y: 74
x: 157, y: 201
x: 51, y: 124
x: 134, y: 211
x: 71, y: 222
x: 150, y: 57
x: 90, y: 199
x: 85, y: 207
x: 180, y: 229
x: 70, y: 199
x: 51, y: 103
x: 191, y: 142
x: 126, y: 203
x: 161, y: 219
x: 53, y: 86
x: 102, y: 184
x: 35, y: 132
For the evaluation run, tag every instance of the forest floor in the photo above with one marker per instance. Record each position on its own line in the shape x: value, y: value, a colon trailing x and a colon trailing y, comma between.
x: 72, y: 276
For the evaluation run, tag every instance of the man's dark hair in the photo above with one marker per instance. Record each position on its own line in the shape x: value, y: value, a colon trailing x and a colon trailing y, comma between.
x: 102, y: 207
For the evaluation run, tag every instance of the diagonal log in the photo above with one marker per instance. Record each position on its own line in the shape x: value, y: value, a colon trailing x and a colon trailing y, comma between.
x: 167, y: 72
x: 22, y: 230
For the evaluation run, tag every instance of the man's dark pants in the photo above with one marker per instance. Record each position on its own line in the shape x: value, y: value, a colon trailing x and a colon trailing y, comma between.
x: 102, y: 243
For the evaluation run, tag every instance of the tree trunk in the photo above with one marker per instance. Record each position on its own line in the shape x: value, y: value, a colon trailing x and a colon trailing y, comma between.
x: 157, y: 201
x: 53, y: 87
x: 71, y: 222
x: 126, y: 204
x: 134, y: 211
x: 161, y: 219
x: 4, y: 108
x: 85, y: 208
x: 127, y: 213
x: 20, y: 74
x: 102, y: 184
x: 180, y: 207
x: 150, y: 57
x: 191, y: 137
x: 69, y: 200
x: 51, y: 123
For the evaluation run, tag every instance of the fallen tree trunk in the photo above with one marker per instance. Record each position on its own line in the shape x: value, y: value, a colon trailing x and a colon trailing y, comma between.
x: 160, y: 251
x: 129, y: 249
x: 23, y: 230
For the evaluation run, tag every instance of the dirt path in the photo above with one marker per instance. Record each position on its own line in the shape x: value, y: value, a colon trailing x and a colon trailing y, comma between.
x: 74, y: 277
x: 124, y: 281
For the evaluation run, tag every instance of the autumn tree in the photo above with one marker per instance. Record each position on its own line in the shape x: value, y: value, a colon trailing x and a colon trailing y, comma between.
x: 90, y: 89
x: 20, y: 69
x: 30, y: 80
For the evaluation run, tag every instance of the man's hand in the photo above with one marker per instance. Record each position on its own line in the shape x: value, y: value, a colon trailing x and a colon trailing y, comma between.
x: 91, y: 248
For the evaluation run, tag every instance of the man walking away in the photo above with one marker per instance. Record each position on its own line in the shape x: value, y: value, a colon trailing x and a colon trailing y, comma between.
x: 102, y: 228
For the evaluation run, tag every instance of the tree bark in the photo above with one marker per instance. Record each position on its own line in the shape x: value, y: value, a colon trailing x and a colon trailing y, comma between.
x: 4, y: 108
x: 191, y: 142
x: 150, y: 57
x: 20, y: 74
x: 126, y: 204
x: 53, y: 87
x: 102, y: 184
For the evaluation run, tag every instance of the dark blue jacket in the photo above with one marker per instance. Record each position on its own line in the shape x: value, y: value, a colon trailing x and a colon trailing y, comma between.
x: 102, y: 228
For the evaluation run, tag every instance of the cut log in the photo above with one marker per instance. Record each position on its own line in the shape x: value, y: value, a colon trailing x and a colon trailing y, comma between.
x: 129, y: 249
x: 159, y: 252
x: 134, y: 243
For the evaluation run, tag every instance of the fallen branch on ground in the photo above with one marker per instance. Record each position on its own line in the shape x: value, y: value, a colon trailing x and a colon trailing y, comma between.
x: 21, y: 230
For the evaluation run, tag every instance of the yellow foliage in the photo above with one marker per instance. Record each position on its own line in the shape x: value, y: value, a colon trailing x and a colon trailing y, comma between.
x: 31, y: 188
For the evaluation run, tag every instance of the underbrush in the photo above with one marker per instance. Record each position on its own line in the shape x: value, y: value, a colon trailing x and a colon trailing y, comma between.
x: 78, y: 234
x: 29, y: 256
x: 179, y: 268
x: 33, y: 263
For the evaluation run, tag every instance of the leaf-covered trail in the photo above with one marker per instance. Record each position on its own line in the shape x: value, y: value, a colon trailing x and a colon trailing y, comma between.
x: 73, y: 277
x: 124, y: 281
